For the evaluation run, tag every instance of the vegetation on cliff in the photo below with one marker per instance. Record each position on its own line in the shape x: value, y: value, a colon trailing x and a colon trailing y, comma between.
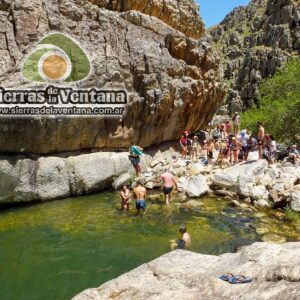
x: 279, y: 107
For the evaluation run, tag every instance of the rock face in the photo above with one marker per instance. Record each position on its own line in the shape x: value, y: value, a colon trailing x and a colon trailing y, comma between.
x: 49, y: 178
x: 186, y: 275
x: 151, y: 48
x: 255, y: 41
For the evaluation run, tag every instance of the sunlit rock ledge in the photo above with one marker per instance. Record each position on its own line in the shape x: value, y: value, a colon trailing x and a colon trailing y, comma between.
x: 275, y: 269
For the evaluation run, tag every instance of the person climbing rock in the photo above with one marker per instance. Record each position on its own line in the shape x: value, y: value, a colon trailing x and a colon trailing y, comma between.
x: 134, y: 156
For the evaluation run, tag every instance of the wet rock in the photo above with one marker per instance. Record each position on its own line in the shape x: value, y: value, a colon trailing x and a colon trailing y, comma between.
x: 192, y: 204
x: 234, y: 203
x: 224, y: 193
x: 274, y: 238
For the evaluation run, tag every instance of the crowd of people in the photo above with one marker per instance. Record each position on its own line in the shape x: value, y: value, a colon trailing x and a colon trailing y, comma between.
x: 228, y: 145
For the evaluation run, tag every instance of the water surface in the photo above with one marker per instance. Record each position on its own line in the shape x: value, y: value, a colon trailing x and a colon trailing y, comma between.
x: 57, y: 249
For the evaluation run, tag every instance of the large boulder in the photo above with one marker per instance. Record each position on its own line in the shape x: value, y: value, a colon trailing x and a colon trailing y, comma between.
x: 197, y: 187
x: 244, y: 172
x: 49, y: 178
x: 150, y: 48
x: 187, y: 275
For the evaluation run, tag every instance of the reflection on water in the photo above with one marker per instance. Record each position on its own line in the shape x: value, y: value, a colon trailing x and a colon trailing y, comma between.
x: 57, y: 249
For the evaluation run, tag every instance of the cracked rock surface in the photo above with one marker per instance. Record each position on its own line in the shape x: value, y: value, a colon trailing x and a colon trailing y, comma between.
x: 151, y: 48
x: 184, y: 275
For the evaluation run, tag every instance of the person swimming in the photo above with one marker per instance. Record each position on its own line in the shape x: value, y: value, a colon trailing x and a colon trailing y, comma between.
x: 184, y: 241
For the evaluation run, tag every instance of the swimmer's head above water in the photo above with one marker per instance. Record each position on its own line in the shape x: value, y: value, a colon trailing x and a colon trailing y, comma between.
x: 182, y: 229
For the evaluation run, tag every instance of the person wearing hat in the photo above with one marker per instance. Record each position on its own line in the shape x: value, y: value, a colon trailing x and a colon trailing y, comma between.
x: 236, y: 120
x: 294, y: 154
x: 184, y: 144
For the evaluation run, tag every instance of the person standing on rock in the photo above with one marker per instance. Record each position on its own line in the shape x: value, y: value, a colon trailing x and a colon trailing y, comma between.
x: 236, y: 120
x: 195, y: 148
x: 125, y: 198
x: 184, y: 144
x: 134, y: 157
x: 260, y: 139
x: 169, y: 183
x: 140, y: 194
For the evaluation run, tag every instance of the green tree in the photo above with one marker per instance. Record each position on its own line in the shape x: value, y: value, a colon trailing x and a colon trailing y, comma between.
x: 279, y: 104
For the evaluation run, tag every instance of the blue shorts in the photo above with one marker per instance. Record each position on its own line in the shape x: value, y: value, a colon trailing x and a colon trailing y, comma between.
x: 140, y: 204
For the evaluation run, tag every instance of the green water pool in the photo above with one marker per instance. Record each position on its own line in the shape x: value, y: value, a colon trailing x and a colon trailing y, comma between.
x: 57, y: 249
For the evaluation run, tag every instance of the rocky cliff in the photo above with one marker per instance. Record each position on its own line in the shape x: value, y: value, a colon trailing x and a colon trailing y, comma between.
x: 151, y: 48
x: 254, y: 42
x: 185, y: 275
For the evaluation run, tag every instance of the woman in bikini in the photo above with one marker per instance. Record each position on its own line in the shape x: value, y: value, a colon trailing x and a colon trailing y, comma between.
x: 125, y: 198
x: 235, y: 148
x: 184, y: 143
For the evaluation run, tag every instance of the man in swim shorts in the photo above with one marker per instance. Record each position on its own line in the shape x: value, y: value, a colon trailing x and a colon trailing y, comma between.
x: 169, y: 182
x: 140, y: 194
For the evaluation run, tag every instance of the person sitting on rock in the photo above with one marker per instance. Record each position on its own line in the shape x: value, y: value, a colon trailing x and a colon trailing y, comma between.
x: 125, y: 198
x: 139, y: 194
x: 294, y: 154
x: 184, y: 241
x: 134, y: 156
x: 184, y: 144
x: 271, y: 148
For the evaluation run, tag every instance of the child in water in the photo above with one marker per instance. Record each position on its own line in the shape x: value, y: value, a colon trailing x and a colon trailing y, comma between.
x: 184, y: 241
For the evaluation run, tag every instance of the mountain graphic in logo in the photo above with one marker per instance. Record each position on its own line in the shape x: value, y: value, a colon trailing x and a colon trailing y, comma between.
x: 57, y: 58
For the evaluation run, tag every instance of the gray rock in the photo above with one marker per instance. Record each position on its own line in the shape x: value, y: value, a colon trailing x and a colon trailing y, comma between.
x: 197, y: 187
x: 295, y: 200
x: 259, y: 192
x: 187, y: 275
x: 123, y: 179
x: 261, y: 203
x: 50, y: 178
